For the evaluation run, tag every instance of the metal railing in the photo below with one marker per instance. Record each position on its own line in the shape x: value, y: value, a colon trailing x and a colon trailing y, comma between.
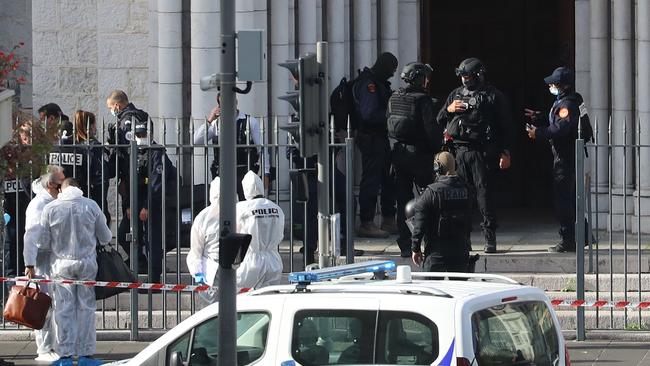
x: 184, y: 192
x: 611, y: 197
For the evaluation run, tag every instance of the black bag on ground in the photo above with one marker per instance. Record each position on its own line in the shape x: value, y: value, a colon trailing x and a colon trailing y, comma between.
x: 111, y: 267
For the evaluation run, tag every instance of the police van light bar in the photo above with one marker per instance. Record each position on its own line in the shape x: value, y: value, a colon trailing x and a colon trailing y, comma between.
x: 340, y: 271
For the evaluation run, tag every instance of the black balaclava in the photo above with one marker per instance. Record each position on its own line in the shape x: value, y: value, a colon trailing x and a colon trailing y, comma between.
x: 385, y: 66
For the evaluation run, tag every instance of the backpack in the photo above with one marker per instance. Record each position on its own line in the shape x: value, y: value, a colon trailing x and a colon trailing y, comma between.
x: 342, y: 105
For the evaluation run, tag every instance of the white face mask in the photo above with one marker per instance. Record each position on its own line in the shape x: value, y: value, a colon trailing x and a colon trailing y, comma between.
x: 554, y: 90
x: 142, y: 140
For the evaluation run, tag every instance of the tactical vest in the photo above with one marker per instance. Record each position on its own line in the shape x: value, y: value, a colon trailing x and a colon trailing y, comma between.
x: 71, y: 158
x: 454, y: 204
x: 246, y: 156
x: 404, y: 118
x: 474, y: 125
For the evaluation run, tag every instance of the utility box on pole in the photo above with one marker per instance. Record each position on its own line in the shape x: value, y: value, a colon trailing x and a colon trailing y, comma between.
x: 251, y: 55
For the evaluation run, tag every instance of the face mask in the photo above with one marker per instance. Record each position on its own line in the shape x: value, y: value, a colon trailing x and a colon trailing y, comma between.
x: 113, y: 112
x: 142, y: 140
x: 554, y: 90
x: 471, y: 83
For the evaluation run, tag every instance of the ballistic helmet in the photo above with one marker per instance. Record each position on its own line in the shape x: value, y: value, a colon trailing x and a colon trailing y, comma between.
x: 409, y: 208
x: 470, y: 66
x: 414, y: 73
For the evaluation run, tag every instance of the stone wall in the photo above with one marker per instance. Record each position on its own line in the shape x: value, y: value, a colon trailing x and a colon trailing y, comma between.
x: 15, y: 27
x: 85, y: 48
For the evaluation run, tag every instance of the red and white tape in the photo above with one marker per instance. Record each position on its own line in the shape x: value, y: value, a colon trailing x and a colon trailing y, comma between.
x: 129, y: 285
x: 601, y: 304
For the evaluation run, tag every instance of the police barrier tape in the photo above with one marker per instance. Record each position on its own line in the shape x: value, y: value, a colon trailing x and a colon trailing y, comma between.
x: 601, y: 304
x: 200, y: 288
x: 129, y: 285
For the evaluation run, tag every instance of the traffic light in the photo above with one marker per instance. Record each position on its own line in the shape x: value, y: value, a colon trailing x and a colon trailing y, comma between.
x: 306, y: 102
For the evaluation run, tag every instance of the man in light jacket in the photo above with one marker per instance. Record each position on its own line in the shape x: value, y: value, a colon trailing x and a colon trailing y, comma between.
x: 37, y: 263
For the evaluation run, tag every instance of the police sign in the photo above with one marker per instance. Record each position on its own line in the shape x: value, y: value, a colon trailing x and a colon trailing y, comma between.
x: 13, y: 186
x: 66, y: 159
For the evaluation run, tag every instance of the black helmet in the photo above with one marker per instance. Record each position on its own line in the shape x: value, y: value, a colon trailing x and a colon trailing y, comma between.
x: 415, y: 72
x: 409, y: 208
x: 142, y: 127
x: 470, y: 66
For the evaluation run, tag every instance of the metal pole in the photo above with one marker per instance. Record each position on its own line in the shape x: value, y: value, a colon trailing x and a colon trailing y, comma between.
x: 580, y: 236
x: 349, y: 200
x: 227, y: 171
x: 133, y: 204
x: 324, y: 249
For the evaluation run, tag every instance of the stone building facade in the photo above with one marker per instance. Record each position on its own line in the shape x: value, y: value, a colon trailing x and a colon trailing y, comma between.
x: 79, y: 50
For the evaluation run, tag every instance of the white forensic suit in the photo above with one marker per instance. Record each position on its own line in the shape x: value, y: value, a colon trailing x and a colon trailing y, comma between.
x: 40, y: 259
x: 203, y: 257
x: 264, y: 220
x: 73, y: 226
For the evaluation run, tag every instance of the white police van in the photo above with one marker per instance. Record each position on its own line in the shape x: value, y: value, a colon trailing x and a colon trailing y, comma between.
x: 372, y: 313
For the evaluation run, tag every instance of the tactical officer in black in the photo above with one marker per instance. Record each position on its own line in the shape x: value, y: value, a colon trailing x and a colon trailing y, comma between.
x: 417, y: 138
x: 371, y: 92
x: 561, y: 131
x: 154, y: 167
x: 478, y: 130
x: 442, y: 218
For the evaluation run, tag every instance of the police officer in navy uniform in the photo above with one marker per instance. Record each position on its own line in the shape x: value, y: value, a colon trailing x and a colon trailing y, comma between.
x: 154, y: 167
x: 479, y: 130
x: 561, y: 131
x: 120, y: 133
x: 412, y: 125
x: 442, y: 218
x: 371, y: 92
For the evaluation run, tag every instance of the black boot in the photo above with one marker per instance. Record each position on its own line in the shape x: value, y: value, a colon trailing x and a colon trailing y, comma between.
x: 490, y: 241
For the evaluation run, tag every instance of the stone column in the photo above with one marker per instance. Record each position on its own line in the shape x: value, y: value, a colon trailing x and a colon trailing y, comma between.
x: 389, y: 33
x: 152, y: 85
x: 170, y: 61
x: 623, y: 115
x: 362, y: 34
x: 409, y: 32
x: 280, y: 82
x: 643, y: 105
x: 336, y: 39
x: 599, y: 103
x: 307, y: 26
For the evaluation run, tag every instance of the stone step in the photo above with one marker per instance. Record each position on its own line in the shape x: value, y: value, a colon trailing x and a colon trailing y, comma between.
x: 512, y: 261
x: 567, y: 282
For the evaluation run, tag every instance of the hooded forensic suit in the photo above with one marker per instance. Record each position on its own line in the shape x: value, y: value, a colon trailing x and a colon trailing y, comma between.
x: 72, y: 227
x: 264, y: 220
x: 203, y: 257
x: 40, y: 259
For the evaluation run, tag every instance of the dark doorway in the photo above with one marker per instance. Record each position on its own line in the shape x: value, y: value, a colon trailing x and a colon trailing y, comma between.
x: 520, y: 41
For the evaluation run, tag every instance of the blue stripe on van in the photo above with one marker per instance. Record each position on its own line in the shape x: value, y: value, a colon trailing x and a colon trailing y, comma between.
x: 446, y: 361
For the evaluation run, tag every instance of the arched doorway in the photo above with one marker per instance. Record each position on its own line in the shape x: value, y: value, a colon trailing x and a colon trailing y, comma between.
x: 520, y: 41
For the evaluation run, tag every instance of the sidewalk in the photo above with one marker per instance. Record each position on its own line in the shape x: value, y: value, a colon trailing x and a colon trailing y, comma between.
x: 24, y: 352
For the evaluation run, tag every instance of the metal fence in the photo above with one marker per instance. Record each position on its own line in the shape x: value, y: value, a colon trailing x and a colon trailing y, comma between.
x: 615, y: 266
x: 184, y: 194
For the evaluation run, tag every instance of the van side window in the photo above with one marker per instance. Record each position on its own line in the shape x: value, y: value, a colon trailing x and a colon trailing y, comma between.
x: 252, y: 332
x: 330, y: 337
x: 406, y: 339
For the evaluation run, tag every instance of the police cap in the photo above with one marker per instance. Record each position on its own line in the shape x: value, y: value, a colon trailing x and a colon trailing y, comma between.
x: 561, y: 75
x: 142, y: 128
x: 470, y: 66
x: 416, y: 72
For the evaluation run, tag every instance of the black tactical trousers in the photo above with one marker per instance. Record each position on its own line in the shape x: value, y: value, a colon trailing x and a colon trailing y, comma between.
x: 150, y: 245
x: 434, y: 263
x: 410, y: 168
x: 473, y: 166
x: 564, y: 198
x: 375, y: 176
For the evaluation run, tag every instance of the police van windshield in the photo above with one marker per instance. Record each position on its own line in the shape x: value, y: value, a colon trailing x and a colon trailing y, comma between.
x: 520, y: 333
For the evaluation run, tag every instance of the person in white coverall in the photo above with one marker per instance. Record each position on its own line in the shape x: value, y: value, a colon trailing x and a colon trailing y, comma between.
x: 37, y: 263
x: 72, y: 226
x: 264, y: 220
x: 203, y: 257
